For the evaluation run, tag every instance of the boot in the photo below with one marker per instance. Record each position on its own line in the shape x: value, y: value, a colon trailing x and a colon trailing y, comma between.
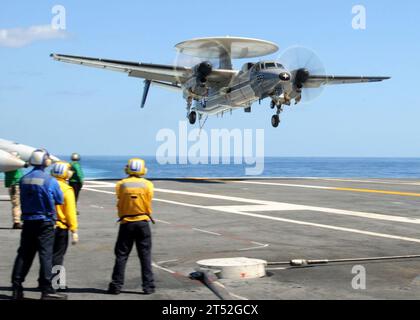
x: 17, y: 293
x: 51, y: 295
x: 113, y: 290
x: 17, y: 226
x: 149, y: 291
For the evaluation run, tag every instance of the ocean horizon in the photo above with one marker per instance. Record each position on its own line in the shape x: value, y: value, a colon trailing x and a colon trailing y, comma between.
x: 112, y: 167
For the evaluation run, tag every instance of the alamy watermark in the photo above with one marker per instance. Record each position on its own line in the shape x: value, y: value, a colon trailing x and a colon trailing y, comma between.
x: 359, y: 280
x: 58, y: 281
x: 58, y: 21
x: 359, y: 17
x: 234, y: 146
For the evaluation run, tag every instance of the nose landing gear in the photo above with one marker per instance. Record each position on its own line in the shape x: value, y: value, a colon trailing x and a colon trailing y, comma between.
x: 192, y: 117
x: 275, y: 119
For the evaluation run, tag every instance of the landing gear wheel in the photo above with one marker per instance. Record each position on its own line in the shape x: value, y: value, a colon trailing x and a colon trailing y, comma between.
x: 275, y: 120
x: 192, y: 117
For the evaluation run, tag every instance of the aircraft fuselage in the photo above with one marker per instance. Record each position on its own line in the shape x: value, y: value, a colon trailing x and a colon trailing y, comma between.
x: 247, y: 87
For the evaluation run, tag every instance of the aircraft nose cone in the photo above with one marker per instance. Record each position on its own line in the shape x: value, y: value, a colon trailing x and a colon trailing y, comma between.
x: 284, y: 76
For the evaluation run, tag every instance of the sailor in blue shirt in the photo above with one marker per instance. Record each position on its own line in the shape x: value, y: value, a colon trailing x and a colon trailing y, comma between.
x: 40, y: 192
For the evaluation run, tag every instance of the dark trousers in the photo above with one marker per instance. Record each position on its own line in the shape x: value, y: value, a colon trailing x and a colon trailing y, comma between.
x: 76, y: 187
x: 140, y: 233
x: 36, y: 236
x: 61, y: 243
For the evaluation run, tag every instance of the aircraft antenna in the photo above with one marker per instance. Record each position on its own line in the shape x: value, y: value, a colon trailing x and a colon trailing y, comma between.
x: 202, y: 124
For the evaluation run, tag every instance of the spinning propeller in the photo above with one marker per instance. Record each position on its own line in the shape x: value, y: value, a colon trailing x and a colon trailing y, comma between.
x: 303, y: 63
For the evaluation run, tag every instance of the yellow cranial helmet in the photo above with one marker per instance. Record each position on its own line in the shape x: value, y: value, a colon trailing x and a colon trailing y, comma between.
x: 61, y: 170
x: 136, y: 167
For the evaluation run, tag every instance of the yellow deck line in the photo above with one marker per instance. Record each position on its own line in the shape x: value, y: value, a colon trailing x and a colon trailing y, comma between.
x: 389, y: 192
x: 397, y: 193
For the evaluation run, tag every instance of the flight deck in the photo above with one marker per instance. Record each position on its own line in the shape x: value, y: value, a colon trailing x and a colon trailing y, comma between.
x: 276, y: 219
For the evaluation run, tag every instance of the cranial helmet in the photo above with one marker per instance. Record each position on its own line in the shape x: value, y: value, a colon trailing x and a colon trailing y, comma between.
x: 61, y: 170
x: 40, y: 158
x: 136, y: 167
x: 75, y: 157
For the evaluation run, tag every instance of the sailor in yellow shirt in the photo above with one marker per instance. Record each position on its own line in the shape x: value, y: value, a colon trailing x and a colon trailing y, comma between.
x: 134, y: 203
x: 66, y: 215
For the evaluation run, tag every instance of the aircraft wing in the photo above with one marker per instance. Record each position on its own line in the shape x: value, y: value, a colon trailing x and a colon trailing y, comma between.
x: 157, y: 73
x: 315, y: 81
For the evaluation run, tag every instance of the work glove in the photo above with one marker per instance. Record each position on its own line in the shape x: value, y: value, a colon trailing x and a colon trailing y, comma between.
x: 74, y: 238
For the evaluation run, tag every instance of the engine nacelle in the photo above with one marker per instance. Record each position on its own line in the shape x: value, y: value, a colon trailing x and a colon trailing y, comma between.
x: 301, y: 76
x: 196, y: 85
x: 202, y: 71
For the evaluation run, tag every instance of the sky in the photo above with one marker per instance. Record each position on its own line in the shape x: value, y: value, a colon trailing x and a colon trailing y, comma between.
x: 68, y: 108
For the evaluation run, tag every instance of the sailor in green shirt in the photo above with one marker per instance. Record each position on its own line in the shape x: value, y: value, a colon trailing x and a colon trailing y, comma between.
x: 76, y: 181
x: 11, y: 181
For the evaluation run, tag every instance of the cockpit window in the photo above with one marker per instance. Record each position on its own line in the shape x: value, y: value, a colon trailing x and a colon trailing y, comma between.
x: 247, y: 66
x: 279, y: 65
x: 270, y: 65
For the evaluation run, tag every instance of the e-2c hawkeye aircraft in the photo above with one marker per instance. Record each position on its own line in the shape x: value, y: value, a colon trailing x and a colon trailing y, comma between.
x: 219, y: 89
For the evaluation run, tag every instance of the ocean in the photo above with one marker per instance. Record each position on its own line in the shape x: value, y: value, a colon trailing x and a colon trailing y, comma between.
x: 111, y: 167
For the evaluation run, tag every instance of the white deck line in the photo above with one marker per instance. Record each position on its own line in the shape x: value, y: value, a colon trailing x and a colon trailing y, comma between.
x: 285, y: 184
x: 321, y: 187
x: 208, y: 232
x: 154, y: 264
x: 410, y: 182
x: 259, y: 246
x: 230, y: 210
x: 280, y: 206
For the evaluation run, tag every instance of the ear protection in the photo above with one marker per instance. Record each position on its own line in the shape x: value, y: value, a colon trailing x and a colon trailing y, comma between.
x: 48, y: 161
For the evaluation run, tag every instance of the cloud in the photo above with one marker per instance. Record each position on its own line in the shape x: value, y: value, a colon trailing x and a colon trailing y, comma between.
x: 20, y: 37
